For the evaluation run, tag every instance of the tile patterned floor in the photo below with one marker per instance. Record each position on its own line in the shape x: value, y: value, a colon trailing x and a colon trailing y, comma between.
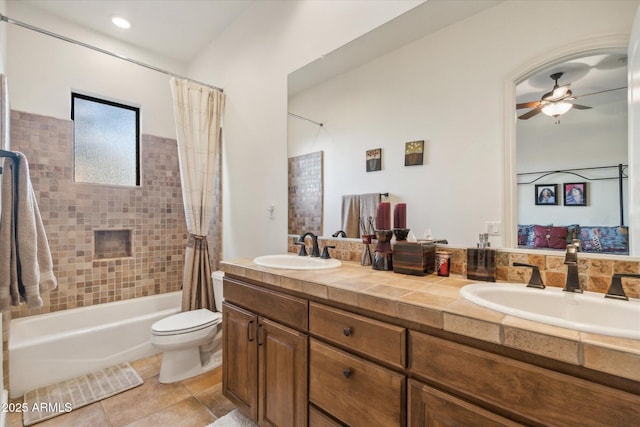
x: 195, y: 402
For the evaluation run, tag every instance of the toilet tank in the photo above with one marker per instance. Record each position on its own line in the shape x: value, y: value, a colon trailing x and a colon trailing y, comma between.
x: 217, y: 277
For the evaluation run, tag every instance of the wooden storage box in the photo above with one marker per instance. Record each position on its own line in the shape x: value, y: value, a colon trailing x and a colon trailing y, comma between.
x: 414, y: 258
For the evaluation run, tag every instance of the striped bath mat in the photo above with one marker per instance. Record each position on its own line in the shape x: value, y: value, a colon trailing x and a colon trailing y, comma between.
x: 57, y: 399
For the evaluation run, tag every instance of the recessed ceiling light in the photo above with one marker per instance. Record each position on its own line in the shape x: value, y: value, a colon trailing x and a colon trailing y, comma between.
x: 121, y: 22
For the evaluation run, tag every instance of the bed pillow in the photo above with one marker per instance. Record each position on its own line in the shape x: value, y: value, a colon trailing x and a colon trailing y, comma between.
x: 550, y: 237
x: 611, y: 240
x: 526, y: 236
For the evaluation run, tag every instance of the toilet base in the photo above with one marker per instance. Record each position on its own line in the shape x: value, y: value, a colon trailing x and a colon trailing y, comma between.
x: 178, y: 365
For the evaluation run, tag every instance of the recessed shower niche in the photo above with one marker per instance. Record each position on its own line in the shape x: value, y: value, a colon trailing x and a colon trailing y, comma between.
x: 112, y: 243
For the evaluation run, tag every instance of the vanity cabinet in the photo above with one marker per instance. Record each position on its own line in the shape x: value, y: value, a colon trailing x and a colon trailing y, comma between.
x: 265, y: 355
x: 520, y: 391
x: 347, y: 378
x: 292, y: 360
x: 428, y: 406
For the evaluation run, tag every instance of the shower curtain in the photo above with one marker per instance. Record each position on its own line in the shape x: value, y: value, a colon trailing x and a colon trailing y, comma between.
x: 198, y: 113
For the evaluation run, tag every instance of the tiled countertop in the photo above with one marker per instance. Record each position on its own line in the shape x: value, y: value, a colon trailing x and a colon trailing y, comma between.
x: 435, y: 301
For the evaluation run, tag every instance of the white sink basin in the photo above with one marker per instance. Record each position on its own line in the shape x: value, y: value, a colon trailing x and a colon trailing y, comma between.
x: 587, y: 312
x: 294, y: 262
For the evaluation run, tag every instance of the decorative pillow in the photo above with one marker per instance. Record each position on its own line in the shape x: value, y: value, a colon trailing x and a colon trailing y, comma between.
x: 612, y: 240
x: 526, y: 235
x: 550, y: 237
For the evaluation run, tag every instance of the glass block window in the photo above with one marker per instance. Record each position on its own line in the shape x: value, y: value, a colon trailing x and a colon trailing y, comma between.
x: 106, y: 141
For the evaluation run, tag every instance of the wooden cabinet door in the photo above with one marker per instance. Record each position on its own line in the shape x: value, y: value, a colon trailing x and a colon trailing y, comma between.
x: 429, y: 407
x: 282, y: 372
x: 240, y: 359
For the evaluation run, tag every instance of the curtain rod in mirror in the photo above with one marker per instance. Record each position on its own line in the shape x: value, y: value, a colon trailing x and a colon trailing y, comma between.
x: 304, y: 118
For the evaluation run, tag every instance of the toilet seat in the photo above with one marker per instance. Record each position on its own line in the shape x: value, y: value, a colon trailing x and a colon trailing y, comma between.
x: 186, y: 322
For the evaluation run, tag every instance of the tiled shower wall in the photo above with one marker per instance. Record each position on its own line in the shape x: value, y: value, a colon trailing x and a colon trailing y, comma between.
x: 72, y: 211
x: 306, y: 194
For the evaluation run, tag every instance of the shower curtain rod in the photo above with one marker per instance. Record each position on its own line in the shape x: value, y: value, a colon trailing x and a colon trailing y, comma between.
x: 98, y: 49
x: 304, y: 118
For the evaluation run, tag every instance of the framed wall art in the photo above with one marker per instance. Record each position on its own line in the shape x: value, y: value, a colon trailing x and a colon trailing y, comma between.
x: 575, y: 193
x: 413, y: 153
x: 374, y: 160
x: 546, y: 194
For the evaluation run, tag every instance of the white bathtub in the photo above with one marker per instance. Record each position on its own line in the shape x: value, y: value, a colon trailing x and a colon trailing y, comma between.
x: 49, y: 348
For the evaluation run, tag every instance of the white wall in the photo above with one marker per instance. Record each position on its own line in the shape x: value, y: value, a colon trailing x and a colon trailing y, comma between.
x: 589, y: 138
x: 42, y: 71
x: 251, y: 61
x: 447, y: 89
x: 634, y: 132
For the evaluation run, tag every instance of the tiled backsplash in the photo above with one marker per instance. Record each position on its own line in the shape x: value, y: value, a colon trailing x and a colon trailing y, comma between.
x: 594, y: 273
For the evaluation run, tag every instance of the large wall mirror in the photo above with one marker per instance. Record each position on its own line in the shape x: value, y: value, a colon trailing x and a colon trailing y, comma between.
x: 571, y: 154
x: 452, y: 85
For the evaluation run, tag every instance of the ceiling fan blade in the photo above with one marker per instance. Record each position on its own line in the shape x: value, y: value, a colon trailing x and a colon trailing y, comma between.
x: 531, y: 104
x: 602, y: 91
x: 531, y: 113
x: 581, y: 107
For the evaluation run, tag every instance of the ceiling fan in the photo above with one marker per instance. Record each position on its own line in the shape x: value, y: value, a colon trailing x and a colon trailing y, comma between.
x: 555, y: 102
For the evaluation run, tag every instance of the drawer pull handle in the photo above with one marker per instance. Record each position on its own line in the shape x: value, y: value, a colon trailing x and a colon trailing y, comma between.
x: 346, y: 372
x: 346, y: 331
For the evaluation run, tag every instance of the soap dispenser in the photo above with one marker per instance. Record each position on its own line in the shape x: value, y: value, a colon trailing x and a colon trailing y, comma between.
x: 481, y: 261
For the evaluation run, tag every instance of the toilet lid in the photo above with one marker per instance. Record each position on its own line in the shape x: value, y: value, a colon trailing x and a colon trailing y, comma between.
x: 187, y: 321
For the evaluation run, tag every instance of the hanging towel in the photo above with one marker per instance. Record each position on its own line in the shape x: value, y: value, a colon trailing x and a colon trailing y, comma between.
x: 369, y: 205
x: 23, y: 236
x: 8, y: 260
x: 350, y: 215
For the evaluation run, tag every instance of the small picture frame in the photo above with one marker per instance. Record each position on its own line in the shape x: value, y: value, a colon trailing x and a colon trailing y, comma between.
x: 575, y: 193
x: 374, y: 160
x: 413, y: 153
x: 547, y: 194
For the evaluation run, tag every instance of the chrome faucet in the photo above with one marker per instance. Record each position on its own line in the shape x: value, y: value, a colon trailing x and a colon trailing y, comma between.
x: 571, y: 260
x: 339, y: 233
x: 315, y: 250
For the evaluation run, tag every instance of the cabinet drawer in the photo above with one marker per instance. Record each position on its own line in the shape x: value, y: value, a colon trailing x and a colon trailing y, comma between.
x: 430, y: 407
x: 541, y: 395
x: 355, y: 391
x: 376, y: 339
x: 318, y: 419
x: 282, y: 308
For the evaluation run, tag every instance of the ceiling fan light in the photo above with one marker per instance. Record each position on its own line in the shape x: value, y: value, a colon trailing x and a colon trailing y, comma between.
x: 555, y: 109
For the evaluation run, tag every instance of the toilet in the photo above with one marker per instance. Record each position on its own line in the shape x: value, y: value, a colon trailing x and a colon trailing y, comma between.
x: 191, y: 341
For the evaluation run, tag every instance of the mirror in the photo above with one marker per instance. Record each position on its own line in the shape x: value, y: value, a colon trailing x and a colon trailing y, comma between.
x: 426, y: 90
x: 581, y: 152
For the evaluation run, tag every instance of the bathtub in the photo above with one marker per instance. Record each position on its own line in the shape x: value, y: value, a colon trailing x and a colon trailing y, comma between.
x: 49, y: 348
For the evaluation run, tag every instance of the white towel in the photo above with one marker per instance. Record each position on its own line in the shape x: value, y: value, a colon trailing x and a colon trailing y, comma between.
x: 23, y: 236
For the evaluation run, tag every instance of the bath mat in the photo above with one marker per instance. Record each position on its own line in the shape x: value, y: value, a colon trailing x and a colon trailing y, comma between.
x: 57, y: 399
x: 234, y: 418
